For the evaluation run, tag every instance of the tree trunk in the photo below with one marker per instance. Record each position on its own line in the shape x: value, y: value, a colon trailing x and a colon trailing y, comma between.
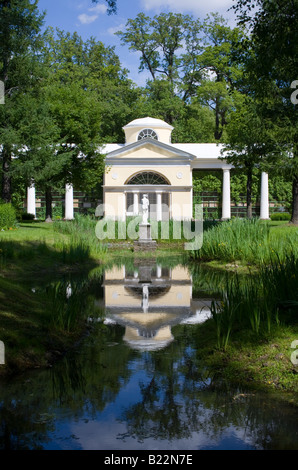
x: 49, y: 212
x: 249, y: 194
x: 294, y: 218
x: 6, y: 178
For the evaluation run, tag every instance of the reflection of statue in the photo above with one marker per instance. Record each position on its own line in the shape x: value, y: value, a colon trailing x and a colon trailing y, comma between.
x: 145, y: 208
x: 145, y: 299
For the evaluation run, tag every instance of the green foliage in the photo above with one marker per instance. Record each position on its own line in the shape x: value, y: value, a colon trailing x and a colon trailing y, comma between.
x: 192, y: 68
x: 207, y: 181
x: 20, y: 71
x: 280, y: 216
x: 7, y: 216
x: 270, y: 61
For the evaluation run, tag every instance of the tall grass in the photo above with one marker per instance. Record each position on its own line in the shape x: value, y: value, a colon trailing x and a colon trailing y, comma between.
x: 224, y: 312
x: 67, y: 304
x: 81, y: 241
x: 258, y: 302
x: 280, y: 282
x: 245, y: 240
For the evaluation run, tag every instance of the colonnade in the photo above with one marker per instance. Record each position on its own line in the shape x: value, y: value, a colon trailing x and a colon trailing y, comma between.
x: 226, y: 198
x: 31, y: 201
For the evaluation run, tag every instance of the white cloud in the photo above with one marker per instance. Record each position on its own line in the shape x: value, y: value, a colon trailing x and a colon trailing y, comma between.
x: 193, y: 6
x: 87, y: 19
x: 114, y: 29
x: 100, y: 9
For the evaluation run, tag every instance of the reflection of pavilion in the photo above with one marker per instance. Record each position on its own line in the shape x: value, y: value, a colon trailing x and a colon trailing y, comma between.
x: 149, y: 300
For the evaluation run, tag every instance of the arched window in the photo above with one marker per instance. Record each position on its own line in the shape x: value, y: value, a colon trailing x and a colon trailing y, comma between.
x: 147, y: 177
x: 145, y: 133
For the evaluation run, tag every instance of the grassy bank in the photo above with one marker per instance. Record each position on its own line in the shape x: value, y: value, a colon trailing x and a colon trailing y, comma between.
x: 39, y: 243
x: 251, y: 362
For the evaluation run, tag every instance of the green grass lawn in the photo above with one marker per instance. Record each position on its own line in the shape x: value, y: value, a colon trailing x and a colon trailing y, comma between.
x: 32, y: 232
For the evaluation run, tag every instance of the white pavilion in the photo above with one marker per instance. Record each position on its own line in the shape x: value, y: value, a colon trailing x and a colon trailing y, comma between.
x: 149, y: 163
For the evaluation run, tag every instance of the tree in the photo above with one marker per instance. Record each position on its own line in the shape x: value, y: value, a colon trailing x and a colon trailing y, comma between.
x: 19, y: 70
x: 89, y: 96
x: 189, y: 59
x: 218, y: 89
x: 248, y: 143
x: 161, y: 42
x: 42, y: 159
x: 271, y: 70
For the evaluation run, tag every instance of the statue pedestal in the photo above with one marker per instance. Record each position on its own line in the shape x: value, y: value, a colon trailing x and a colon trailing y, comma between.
x: 145, y: 242
x: 145, y: 232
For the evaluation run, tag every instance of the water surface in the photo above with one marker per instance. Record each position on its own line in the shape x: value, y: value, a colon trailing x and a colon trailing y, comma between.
x: 136, y: 381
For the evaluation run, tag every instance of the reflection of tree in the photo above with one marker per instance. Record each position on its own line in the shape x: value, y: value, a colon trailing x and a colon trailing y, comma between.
x: 81, y: 384
x: 178, y: 400
x: 24, y: 413
x: 158, y: 414
x: 97, y: 372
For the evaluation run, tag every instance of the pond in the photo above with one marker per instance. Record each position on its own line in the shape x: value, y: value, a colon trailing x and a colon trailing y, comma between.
x: 136, y: 381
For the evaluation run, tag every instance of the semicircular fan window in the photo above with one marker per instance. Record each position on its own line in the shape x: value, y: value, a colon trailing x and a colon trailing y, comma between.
x: 147, y: 133
x: 147, y: 177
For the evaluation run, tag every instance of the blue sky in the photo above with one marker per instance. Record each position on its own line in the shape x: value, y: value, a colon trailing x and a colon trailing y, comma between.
x: 91, y: 19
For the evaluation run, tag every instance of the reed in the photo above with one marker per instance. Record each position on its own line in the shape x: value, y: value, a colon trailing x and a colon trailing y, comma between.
x: 257, y: 302
x: 224, y: 312
x: 82, y: 241
x: 246, y: 240
x: 66, y: 305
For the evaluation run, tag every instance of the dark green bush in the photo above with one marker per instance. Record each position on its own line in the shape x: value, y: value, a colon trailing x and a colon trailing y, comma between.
x: 7, y: 216
x: 280, y: 216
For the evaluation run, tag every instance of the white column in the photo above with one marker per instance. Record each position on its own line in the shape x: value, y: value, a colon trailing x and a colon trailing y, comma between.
x: 135, y: 203
x: 159, y: 206
x: 191, y: 196
x: 121, y: 211
x: 226, y: 195
x: 68, y: 202
x: 158, y: 271
x: 264, y: 206
x: 31, y: 206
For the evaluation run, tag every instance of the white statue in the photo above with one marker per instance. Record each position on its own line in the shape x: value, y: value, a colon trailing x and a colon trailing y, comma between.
x: 145, y: 208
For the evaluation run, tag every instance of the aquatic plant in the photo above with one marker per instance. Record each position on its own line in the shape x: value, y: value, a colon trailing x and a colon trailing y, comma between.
x: 66, y: 304
x: 248, y: 240
x: 82, y: 242
x: 257, y: 302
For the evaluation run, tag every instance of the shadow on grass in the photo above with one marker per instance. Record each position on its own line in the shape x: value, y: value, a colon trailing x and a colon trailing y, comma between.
x: 26, y: 256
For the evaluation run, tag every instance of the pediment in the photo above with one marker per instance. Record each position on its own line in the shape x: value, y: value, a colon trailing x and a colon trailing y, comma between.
x: 149, y: 149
